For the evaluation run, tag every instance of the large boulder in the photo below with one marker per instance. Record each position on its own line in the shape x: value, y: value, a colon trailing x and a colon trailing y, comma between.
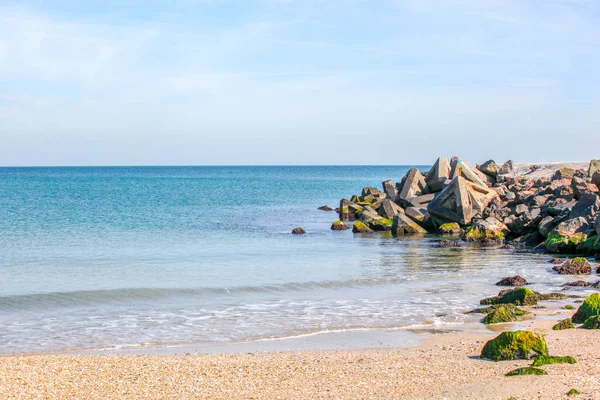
x: 403, y: 225
x: 581, y: 186
x: 367, y: 214
x: 413, y: 186
x: 388, y: 209
x: 545, y: 226
x: 360, y: 227
x: 438, y: 175
x: 489, y: 168
x: 460, y: 201
x: 506, y: 168
x: 490, y: 228
x: 518, y: 345
x: 558, y: 242
x: 564, y: 173
x: 589, y: 308
x: 587, y: 207
x: 461, y: 168
x: 389, y: 187
x: 596, y: 179
x: 593, y: 168
x: 572, y: 226
x: 349, y: 209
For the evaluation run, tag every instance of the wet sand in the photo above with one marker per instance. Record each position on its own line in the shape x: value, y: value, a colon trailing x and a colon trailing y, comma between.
x: 443, y: 366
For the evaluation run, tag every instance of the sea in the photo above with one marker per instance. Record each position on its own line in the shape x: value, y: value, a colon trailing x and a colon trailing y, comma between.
x: 119, y: 257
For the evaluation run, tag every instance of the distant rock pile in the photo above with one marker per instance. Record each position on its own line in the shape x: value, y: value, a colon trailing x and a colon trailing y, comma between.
x: 488, y: 204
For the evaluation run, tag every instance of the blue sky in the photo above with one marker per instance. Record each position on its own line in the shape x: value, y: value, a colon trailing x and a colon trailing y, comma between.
x: 297, y: 81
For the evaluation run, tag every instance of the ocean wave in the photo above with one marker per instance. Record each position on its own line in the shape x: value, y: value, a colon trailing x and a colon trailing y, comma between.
x: 98, y: 297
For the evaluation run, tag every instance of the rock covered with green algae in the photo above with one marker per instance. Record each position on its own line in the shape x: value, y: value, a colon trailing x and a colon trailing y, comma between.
x: 547, y: 360
x: 527, y: 371
x: 573, y: 392
x: 360, y: 227
x: 558, y: 242
x: 575, y: 266
x: 592, y: 322
x: 450, y: 228
x: 339, y: 226
x: 564, y: 324
x: 589, y: 308
x: 519, y: 297
x: 502, y: 313
x: 514, y: 345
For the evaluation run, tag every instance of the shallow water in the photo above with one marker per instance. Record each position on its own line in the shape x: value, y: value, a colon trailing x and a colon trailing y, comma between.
x: 103, y: 257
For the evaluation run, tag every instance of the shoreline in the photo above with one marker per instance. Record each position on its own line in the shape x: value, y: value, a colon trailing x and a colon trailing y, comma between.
x: 441, y: 366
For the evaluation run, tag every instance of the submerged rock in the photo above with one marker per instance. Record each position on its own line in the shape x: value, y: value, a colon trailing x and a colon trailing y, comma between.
x: 402, y: 225
x: 325, y: 208
x: 298, y: 231
x: 576, y: 266
x: 514, y: 346
x: 339, y: 226
x: 527, y: 371
x: 564, y: 324
x: 450, y: 228
x: 516, y: 280
x: 449, y: 243
x: 589, y: 308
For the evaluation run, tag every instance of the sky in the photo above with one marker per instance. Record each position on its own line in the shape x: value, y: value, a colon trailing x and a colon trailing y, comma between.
x: 246, y: 82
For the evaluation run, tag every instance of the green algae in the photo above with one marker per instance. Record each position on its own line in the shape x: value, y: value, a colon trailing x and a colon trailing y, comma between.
x: 360, y: 227
x: 573, y: 392
x: 589, y: 308
x: 527, y: 371
x: 476, y: 234
x: 501, y: 313
x: 519, y: 297
x: 564, y: 324
x: 592, y: 322
x: 569, y: 307
x: 450, y: 228
x: 514, y: 345
x: 547, y: 360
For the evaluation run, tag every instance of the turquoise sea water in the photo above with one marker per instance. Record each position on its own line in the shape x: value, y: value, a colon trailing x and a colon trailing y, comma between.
x: 116, y: 256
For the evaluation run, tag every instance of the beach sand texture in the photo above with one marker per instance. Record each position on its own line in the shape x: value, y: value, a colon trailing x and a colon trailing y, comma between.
x: 444, y: 366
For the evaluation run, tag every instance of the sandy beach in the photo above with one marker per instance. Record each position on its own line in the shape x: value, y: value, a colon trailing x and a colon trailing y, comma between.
x: 443, y: 366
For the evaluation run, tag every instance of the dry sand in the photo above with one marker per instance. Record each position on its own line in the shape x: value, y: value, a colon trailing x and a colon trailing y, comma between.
x: 444, y: 366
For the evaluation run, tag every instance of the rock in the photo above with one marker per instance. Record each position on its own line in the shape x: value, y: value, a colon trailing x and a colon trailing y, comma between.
x: 298, y: 231
x: 402, y: 225
x: 564, y: 324
x: 489, y: 168
x: 540, y: 361
x: 418, y: 214
x: 589, y: 308
x: 449, y: 243
x: 460, y: 201
x: 389, y: 187
x: 438, y: 175
x: 506, y: 168
x: 519, y: 297
x: 421, y: 201
x: 388, y: 209
x: 516, y: 345
x: 564, y: 243
x: 339, y: 226
x: 325, y: 208
x: 564, y: 173
x: 367, y: 214
x: 413, y: 186
x: 380, y: 225
x: 598, y: 225
x: 349, y: 209
x: 587, y: 207
x: 370, y: 191
x: 450, y: 228
x: 581, y: 187
x: 590, y: 247
x: 360, y: 227
x: 461, y: 168
x: 556, y: 261
x: 596, y: 179
x: 577, y: 284
x: 516, y: 280
x: 545, y: 226
x: 573, y: 392
x: 539, y: 200
x: 576, y: 266
x: 572, y: 226
x: 592, y: 322
x: 489, y: 228
x: 526, y: 371
x: 501, y: 313
x: 593, y: 168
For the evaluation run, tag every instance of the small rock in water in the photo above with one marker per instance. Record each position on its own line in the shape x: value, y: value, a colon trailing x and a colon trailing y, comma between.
x: 298, y: 231
x: 576, y: 266
x: 556, y: 261
x: 449, y: 243
x: 339, y: 226
x: 516, y: 280
x: 325, y: 208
